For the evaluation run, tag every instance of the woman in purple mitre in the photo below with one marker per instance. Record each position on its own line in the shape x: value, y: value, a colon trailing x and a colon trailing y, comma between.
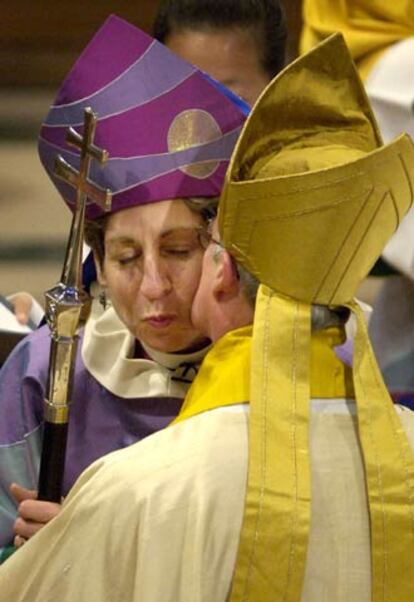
x: 169, y: 130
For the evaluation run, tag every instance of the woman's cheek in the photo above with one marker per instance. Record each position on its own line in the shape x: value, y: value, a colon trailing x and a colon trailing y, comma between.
x: 188, y: 286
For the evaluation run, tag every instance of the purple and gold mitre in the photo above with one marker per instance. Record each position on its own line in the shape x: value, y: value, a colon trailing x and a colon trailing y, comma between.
x: 168, y: 128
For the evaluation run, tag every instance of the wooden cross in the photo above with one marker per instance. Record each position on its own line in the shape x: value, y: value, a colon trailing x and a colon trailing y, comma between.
x: 71, y: 275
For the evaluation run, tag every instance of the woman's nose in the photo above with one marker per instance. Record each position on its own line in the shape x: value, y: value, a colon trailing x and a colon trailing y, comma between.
x: 156, y: 281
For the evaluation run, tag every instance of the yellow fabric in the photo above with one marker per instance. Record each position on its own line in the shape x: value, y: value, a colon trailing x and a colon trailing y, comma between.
x: 329, y: 376
x: 227, y: 386
x: 310, y: 198
x: 369, y: 26
x: 389, y: 466
x: 273, y: 541
x: 271, y: 221
x: 277, y: 422
x: 271, y: 563
x: 278, y: 484
x: 224, y: 377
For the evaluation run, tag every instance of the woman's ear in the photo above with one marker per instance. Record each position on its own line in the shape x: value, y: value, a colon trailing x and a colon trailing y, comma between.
x: 226, y: 282
x: 99, y: 269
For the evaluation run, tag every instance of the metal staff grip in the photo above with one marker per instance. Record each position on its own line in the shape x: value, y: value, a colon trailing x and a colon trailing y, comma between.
x: 66, y: 310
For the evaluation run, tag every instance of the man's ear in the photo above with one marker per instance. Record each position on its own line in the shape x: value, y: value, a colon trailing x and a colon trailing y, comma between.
x: 99, y: 269
x: 226, y: 283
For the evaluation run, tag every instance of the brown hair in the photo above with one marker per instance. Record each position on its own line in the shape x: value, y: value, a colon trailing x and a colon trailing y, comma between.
x: 95, y: 230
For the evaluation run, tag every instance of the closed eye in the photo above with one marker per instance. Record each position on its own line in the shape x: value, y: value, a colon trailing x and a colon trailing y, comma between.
x: 128, y: 260
x: 177, y: 251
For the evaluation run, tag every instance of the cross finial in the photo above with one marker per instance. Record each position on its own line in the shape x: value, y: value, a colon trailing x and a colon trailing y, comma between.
x: 84, y: 189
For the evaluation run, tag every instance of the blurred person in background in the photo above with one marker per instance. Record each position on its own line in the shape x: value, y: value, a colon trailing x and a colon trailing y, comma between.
x: 241, y: 43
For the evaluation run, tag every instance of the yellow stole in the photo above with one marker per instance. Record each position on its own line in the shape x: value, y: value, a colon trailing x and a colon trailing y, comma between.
x: 224, y: 376
x: 271, y: 558
x: 278, y: 379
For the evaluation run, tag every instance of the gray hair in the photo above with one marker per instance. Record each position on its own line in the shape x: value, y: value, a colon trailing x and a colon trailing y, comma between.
x: 248, y: 283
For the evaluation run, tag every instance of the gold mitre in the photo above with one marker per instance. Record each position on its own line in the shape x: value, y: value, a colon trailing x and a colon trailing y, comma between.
x: 311, y: 194
x: 309, y: 200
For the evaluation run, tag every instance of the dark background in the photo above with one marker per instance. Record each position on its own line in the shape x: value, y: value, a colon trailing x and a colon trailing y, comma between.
x: 39, y: 39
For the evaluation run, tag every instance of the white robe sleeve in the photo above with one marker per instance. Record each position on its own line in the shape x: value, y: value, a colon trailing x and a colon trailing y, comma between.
x: 156, y: 522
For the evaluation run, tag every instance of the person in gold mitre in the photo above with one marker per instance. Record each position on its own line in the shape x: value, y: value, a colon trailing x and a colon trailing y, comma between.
x: 287, y: 475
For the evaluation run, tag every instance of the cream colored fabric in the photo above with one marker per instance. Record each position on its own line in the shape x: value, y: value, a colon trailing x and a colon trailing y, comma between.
x: 390, y: 87
x: 159, y: 521
x: 399, y: 251
x: 107, y: 351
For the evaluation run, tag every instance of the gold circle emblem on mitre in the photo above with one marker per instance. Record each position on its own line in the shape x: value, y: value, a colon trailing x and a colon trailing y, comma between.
x: 192, y: 128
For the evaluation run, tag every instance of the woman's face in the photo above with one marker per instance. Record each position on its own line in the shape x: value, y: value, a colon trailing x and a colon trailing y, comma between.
x: 151, y: 270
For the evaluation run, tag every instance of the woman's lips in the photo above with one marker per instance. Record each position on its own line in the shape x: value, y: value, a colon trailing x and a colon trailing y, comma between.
x: 160, y: 321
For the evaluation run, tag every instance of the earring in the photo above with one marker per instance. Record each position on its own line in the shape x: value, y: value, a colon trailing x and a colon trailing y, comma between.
x: 102, y: 299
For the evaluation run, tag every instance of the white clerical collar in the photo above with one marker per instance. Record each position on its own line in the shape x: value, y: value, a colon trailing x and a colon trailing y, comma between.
x: 107, y: 352
x: 173, y: 360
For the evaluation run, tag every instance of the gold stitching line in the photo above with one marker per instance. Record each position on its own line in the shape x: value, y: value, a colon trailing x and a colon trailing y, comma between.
x: 299, y: 213
x: 346, y: 238
x: 263, y: 408
x: 362, y: 238
x: 378, y: 471
x: 402, y: 452
x: 407, y: 175
x: 236, y: 248
x: 294, y: 518
x: 386, y: 156
x: 392, y: 416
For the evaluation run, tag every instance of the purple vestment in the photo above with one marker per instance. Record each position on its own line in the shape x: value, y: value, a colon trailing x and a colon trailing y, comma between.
x: 100, y: 422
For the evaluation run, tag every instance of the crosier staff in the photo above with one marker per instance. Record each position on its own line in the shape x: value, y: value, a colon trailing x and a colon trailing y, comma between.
x: 67, y: 309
